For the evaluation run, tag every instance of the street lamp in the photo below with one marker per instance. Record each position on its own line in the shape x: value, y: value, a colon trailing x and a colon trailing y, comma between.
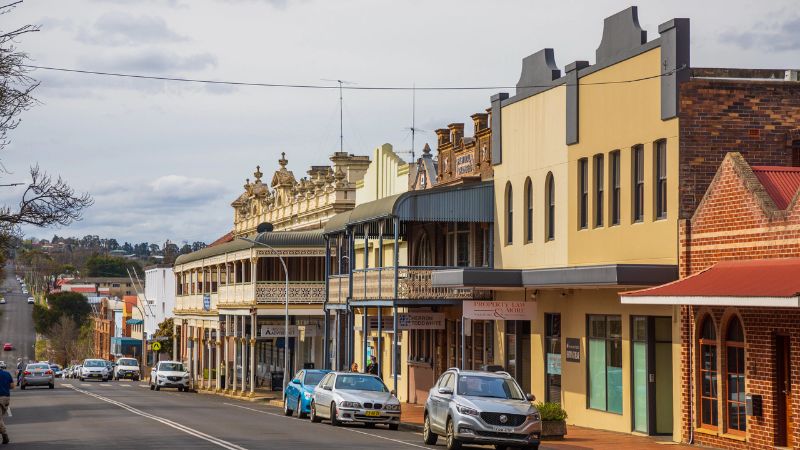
x: 286, y: 311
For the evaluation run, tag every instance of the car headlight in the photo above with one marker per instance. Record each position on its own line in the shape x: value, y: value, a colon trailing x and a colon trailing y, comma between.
x: 345, y: 404
x: 161, y: 376
x: 307, y: 395
x: 534, y: 415
x: 392, y: 407
x: 466, y: 410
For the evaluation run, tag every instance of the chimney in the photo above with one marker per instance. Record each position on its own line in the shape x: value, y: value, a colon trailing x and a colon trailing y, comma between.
x: 443, y: 135
x: 481, y: 121
x: 456, y: 132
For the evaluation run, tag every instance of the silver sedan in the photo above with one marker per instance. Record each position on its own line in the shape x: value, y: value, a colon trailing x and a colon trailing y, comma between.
x: 345, y: 397
x: 37, y: 374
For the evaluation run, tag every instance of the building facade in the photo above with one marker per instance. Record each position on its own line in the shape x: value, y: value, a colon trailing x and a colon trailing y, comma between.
x: 159, y: 296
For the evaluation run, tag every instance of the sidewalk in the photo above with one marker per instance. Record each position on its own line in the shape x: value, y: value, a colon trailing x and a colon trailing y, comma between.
x: 577, y: 437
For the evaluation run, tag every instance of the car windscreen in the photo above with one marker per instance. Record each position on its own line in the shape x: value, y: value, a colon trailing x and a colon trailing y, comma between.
x: 37, y: 367
x: 492, y: 387
x: 94, y: 363
x: 360, y: 383
x: 313, y: 378
x: 55, y: 367
x: 127, y: 362
x: 171, y: 367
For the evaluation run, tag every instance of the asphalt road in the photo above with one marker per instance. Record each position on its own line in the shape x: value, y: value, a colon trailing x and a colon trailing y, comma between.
x: 16, y: 323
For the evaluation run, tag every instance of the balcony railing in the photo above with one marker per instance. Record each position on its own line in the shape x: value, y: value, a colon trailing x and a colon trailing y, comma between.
x: 262, y: 292
x: 413, y: 283
x: 299, y: 292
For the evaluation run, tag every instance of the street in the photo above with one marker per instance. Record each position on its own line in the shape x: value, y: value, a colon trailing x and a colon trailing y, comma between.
x: 16, y: 322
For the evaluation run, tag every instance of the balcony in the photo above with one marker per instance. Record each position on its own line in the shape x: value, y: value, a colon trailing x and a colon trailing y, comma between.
x: 262, y: 292
x: 413, y: 283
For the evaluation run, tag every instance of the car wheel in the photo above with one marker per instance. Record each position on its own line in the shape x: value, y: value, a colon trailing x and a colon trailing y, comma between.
x: 22, y: 387
x: 152, y: 388
x: 452, y: 442
x: 81, y: 379
x: 286, y: 411
x: 314, y: 417
x: 158, y: 388
x: 428, y: 436
x: 532, y: 447
x: 394, y: 426
x: 51, y: 386
x: 299, y: 409
x: 334, y: 420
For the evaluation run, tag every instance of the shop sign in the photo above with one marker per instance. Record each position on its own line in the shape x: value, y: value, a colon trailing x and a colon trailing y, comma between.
x: 464, y: 164
x: 278, y: 330
x: 573, y: 350
x: 495, y: 310
x: 206, y: 302
x: 420, y: 321
x: 554, y: 363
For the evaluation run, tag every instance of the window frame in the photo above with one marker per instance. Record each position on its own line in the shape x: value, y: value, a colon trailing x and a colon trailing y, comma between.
x: 615, y: 169
x: 714, y: 400
x: 599, y: 191
x: 739, y: 347
x: 550, y: 208
x: 509, y: 203
x: 661, y: 164
x: 607, y: 340
x: 637, y: 183
x: 528, y: 210
x: 583, y: 193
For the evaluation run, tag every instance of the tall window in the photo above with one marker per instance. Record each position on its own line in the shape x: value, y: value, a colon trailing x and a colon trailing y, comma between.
x: 709, y: 375
x: 552, y: 348
x: 735, y: 404
x: 615, y: 189
x: 550, y: 204
x: 605, y: 363
x: 528, y: 210
x: 509, y: 214
x: 796, y: 153
x: 661, y: 179
x: 638, y: 183
x: 583, y: 192
x: 599, y: 171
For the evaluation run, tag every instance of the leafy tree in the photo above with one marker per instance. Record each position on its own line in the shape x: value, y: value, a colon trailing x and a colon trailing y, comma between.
x: 111, y: 266
x: 127, y: 247
x: 70, y: 304
x: 186, y: 249
x: 198, y: 245
x: 166, y: 330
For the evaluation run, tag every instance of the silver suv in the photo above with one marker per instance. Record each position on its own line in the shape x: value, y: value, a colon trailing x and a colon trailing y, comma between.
x: 479, y: 407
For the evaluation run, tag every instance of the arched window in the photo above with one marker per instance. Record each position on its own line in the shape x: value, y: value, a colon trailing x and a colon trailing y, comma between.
x: 734, y: 376
x: 550, y: 205
x: 423, y: 256
x: 509, y: 214
x: 709, y: 375
x: 528, y: 211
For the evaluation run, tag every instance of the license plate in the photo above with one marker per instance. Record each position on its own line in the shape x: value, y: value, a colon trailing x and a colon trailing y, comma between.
x: 504, y: 429
x: 372, y: 413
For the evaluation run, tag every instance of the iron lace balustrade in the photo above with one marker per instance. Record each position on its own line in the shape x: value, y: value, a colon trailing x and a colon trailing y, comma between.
x: 414, y: 282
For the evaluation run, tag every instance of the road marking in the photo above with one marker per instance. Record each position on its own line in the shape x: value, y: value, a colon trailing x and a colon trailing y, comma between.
x: 144, y: 385
x: 338, y: 428
x: 84, y: 384
x: 167, y: 422
x: 124, y: 385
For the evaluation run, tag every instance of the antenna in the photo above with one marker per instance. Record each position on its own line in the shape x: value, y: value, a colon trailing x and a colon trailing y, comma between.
x: 413, y: 128
x: 341, y: 107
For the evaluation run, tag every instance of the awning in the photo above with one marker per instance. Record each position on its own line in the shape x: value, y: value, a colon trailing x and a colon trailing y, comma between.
x: 134, y: 321
x: 765, y: 283
x: 276, y: 239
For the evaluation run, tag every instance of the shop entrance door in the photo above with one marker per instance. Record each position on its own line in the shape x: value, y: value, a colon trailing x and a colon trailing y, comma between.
x: 784, y: 383
x: 651, y: 348
x: 518, y: 352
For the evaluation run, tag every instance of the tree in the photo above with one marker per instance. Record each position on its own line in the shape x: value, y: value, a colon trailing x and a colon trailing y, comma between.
x: 69, y: 304
x: 67, y: 341
x: 197, y: 245
x: 171, y: 252
x: 111, y: 266
x: 127, y: 248
x: 166, y: 329
x: 186, y: 249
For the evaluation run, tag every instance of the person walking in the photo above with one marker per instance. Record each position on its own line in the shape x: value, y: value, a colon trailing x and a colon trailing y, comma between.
x: 354, y: 368
x: 6, y: 384
x: 20, y: 368
x: 373, y: 368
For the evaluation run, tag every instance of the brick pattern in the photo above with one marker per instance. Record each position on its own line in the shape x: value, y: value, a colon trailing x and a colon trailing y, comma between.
x: 736, y: 219
x: 758, y: 119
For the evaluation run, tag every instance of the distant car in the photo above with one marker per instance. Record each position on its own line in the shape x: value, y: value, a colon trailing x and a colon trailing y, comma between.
x: 31, y: 300
x: 346, y: 397
x: 2, y: 300
x: 94, y: 369
x: 127, y: 368
x: 37, y: 374
x: 58, y: 372
x: 170, y: 374
x: 300, y: 390
x: 76, y: 369
x: 8, y: 347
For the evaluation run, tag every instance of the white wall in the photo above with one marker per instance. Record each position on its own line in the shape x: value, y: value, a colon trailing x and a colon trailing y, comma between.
x: 159, y: 292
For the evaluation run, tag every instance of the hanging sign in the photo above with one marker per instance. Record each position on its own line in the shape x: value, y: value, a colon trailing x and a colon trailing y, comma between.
x: 420, y: 321
x: 494, y: 310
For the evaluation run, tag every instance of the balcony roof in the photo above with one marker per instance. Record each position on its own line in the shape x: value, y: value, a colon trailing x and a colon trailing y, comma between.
x: 276, y: 239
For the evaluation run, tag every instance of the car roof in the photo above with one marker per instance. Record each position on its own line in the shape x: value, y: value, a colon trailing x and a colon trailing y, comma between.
x: 171, y: 362
x: 316, y: 371
x: 482, y: 373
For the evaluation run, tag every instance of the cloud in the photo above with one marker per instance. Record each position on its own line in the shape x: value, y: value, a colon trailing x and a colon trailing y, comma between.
x: 150, y: 61
x: 778, y: 36
x: 122, y: 29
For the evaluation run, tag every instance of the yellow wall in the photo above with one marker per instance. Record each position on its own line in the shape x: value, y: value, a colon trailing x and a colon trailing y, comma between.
x: 387, y: 175
x: 617, y: 117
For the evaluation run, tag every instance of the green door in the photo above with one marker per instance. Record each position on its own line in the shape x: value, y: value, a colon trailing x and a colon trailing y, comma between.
x: 641, y: 411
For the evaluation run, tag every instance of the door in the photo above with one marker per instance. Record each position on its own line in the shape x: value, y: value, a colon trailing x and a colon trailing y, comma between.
x: 784, y: 385
x: 440, y: 401
x: 651, y: 356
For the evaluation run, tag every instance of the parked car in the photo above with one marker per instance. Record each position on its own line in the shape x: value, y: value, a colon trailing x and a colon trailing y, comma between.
x: 37, y: 374
x: 2, y: 300
x: 76, y: 369
x: 30, y: 300
x: 480, y: 407
x: 127, y: 368
x: 8, y: 347
x: 94, y: 369
x: 354, y: 398
x: 57, y: 371
x: 299, y: 391
x: 170, y: 374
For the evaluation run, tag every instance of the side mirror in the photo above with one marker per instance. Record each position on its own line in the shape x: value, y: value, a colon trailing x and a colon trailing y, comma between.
x: 327, y: 387
x: 530, y: 397
x: 296, y: 381
x: 446, y: 391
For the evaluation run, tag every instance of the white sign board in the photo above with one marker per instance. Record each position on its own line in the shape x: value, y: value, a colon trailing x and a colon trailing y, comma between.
x: 494, y: 310
x: 278, y: 331
x: 420, y: 321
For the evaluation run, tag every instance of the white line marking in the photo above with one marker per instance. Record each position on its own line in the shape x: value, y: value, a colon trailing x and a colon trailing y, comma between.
x: 144, y: 385
x: 84, y: 384
x: 167, y: 422
x: 339, y: 428
x: 124, y: 385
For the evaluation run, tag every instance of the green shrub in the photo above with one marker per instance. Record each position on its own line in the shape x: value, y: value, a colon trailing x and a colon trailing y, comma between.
x: 551, y: 411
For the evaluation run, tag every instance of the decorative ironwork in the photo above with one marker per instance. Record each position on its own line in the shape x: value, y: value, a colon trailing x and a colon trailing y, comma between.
x: 338, y: 288
x: 275, y: 292
x: 412, y: 283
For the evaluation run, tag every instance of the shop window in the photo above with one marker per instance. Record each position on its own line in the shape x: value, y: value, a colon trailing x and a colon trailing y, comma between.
x: 734, y: 377
x: 615, y: 187
x: 420, y: 348
x: 509, y: 214
x: 528, y: 211
x: 423, y: 257
x: 583, y: 193
x: 458, y: 252
x: 661, y: 179
x: 552, y: 346
x: 550, y: 204
x: 605, y: 363
x: 599, y: 193
x: 709, y: 375
x: 638, y: 183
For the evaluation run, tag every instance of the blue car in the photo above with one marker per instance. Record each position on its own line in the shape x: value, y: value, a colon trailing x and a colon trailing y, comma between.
x: 298, y: 392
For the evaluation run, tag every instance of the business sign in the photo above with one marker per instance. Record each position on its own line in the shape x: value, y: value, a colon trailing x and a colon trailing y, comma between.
x: 494, y: 310
x: 206, y: 302
x: 573, y: 350
x: 420, y: 321
x: 278, y: 331
x: 464, y: 164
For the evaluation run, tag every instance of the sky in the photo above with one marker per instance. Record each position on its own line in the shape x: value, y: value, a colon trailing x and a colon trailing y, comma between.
x: 164, y: 160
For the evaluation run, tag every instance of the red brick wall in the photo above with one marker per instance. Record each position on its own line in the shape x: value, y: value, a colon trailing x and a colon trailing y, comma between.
x: 757, y: 119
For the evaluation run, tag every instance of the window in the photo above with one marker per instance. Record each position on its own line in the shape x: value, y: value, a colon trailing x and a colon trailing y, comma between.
x: 528, y: 211
x: 638, y: 183
x: 509, y: 215
x: 735, y: 404
x: 458, y: 245
x: 552, y: 349
x: 708, y: 375
x: 605, y: 363
x: 796, y: 153
x: 550, y: 203
x: 615, y: 190
x: 583, y: 192
x: 424, y: 251
x: 599, y: 171
x: 661, y: 179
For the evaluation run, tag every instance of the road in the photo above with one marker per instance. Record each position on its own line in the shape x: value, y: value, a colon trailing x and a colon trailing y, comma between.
x: 16, y: 323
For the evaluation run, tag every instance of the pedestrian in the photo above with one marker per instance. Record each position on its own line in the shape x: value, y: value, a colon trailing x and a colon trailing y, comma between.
x: 6, y: 384
x: 20, y: 368
x: 373, y: 368
x: 354, y: 367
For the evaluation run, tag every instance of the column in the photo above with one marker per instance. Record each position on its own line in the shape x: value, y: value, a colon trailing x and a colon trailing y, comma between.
x: 226, y: 345
x: 175, y: 332
x: 243, y: 342
x: 235, y: 352
x: 252, y: 354
x: 217, y: 354
x: 195, y: 351
x: 209, y: 347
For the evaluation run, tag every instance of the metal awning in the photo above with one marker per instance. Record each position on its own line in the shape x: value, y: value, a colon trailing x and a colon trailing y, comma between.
x: 134, y: 321
x: 276, y: 239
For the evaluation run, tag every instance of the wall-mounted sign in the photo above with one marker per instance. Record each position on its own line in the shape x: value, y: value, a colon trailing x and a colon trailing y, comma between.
x: 573, y: 352
x: 494, y: 310
x: 464, y: 164
x: 420, y: 321
x: 277, y: 330
x: 206, y: 302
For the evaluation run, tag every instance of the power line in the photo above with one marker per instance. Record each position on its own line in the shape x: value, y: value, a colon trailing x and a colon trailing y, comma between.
x: 336, y: 86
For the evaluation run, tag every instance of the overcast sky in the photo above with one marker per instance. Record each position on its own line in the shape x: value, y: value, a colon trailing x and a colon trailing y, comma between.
x: 164, y: 160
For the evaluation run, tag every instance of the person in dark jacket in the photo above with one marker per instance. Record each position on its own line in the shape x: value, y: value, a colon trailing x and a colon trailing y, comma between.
x: 6, y: 384
x: 373, y: 368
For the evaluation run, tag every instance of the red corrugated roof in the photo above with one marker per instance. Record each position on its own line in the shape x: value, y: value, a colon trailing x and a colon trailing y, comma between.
x: 83, y: 290
x: 748, y: 278
x: 781, y: 183
x: 227, y: 237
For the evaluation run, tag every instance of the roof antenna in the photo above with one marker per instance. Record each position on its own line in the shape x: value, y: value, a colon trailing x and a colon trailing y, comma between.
x: 413, y: 128
x: 341, y: 107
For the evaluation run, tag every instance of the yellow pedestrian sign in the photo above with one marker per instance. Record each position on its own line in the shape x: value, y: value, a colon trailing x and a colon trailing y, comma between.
x: 156, y: 346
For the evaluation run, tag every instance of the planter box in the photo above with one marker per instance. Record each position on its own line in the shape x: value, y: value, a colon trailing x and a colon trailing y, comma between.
x: 554, y: 429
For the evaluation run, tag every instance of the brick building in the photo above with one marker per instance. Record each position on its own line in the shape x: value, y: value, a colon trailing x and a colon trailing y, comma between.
x: 103, y: 330
x: 740, y: 278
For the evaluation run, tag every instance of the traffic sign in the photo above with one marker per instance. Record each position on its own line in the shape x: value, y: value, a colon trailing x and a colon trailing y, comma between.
x: 156, y: 346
